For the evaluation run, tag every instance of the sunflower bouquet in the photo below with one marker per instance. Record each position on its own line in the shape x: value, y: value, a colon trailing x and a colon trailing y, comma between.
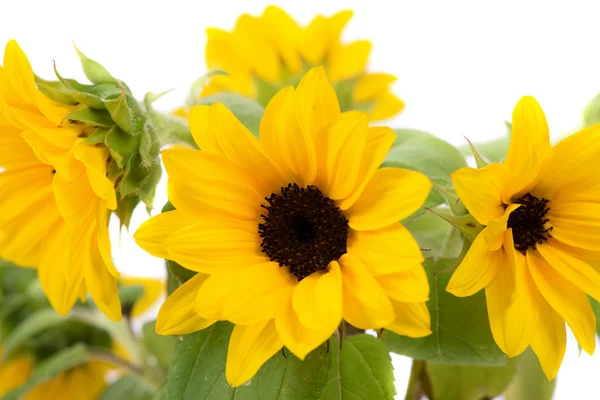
x: 304, y: 243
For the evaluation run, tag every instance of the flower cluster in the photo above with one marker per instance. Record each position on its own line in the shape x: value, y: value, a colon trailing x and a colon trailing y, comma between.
x: 292, y: 224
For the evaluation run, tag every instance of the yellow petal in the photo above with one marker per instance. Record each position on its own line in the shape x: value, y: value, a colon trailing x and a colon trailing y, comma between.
x: 335, y: 25
x: 316, y: 102
x: 95, y: 159
x: 153, y: 289
x: 74, y: 198
x: 285, y: 34
x: 410, y: 286
x: 251, y: 42
x: 14, y: 151
x: 512, y: 303
x: 370, y: 87
x: 348, y: 61
x: 18, y: 72
x: 480, y: 190
x: 221, y: 53
x: 294, y: 151
x: 386, y: 106
x: 494, y: 232
x: 250, y: 347
x: 14, y: 373
x: 366, y: 305
x: 529, y: 129
x: 550, y: 340
x: 525, y: 176
x: 56, y: 266
x: 564, y: 297
x: 317, y: 299
x: 477, y: 269
x: 218, y: 131
x: 574, y: 163
x: 177, y: 316
x: 100, y: 282
x: 245, y: 295
x: 572, y: 268
x: 412, y: 319
x: 299, y: 339
x: 103, y: 238
x: 391, y: 195
x: 152, y: 234
x: 213, y: 246
x: 385, y: 251
x: 312, y: 44
x: 339, y: 147
x: 576, y: 222
x: 379, y: 142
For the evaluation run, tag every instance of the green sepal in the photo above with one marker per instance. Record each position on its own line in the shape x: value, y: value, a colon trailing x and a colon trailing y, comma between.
x: 456, y: 206
x: 91, y: 116
x: 90, y: 95
x: 479, y: 161
x: 97, y: 137
x: 55, y: 90
x: 121, y: 146
x: 466, y: 224
x: 149, y: 146
x: 126, y: 112
x: 95, y: 72
x: 126, y: 206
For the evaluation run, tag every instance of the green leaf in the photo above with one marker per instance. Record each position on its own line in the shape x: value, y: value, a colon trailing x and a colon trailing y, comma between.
x: 362, y: 369
x: 95, y: 72
x: 56, y: 91
x: 422, y: 151
x: 456, y: 382
x: 529, y: 381
x: 435, y: 236
x: 466, y: 224
x: 91, y: 116
x: 126, y: 388
x: 461, y: 330
x: 50, y: 368
x: 247, y: 111
x: 181, y: 274
x: 37, y: 322
x: 160, y: 346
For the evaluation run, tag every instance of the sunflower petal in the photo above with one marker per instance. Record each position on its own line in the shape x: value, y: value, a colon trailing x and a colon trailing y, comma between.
x: 550, y: 340
x: 564, y: 297
x: 177, y: 316
x: 385, y: 251
x: 317, y: 299
x: 386, y: 106
x: 250, y: 346
x: 512, y: 303
x: 293, y: 151
x: 576, y: 222
x: 244, y: 295
x: 299, y: 339
x: 371, y: 86
x: 391, y: 195
x: 151, y: 235
x: 348, y: 61
x: 412, y: 319
x: 410, y: 286
x: 477, y: 269
x: 379, y: 142
x: 316, y: 102
x: 365, y: 303
x: 480, y: 190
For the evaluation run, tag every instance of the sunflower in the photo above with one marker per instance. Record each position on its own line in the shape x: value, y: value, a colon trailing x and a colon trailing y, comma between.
x: 264, y: 54
x: 291, y: 233
x: 14, y: 372
x: 540, y: 210
x: 56, y: 196
x: 152, y: 290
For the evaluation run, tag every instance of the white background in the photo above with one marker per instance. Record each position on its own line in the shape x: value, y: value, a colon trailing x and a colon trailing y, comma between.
x: 462, y: 66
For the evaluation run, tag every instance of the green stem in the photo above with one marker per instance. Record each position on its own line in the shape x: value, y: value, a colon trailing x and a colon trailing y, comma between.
x: 415, y: 387
x: 109, y: 357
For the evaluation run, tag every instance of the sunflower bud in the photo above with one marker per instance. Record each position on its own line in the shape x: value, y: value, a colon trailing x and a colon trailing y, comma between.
x: 116, y: 120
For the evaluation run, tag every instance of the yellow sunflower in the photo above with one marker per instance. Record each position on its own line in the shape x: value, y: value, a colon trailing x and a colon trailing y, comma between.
x: 541, y: 209
x: 264, y: 54
x: 153, y: 289
x: 291, y: 233
x: 56, y: 196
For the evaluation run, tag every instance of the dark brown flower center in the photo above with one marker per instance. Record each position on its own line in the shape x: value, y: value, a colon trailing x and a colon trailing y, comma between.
x: 303, y: 230
x: 528, y: 222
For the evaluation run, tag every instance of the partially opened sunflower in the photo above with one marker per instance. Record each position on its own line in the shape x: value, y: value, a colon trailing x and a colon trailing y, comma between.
x: 541, y: 209
x: 56, y: 196
x: 261, y: 55
x: 291, y: 233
